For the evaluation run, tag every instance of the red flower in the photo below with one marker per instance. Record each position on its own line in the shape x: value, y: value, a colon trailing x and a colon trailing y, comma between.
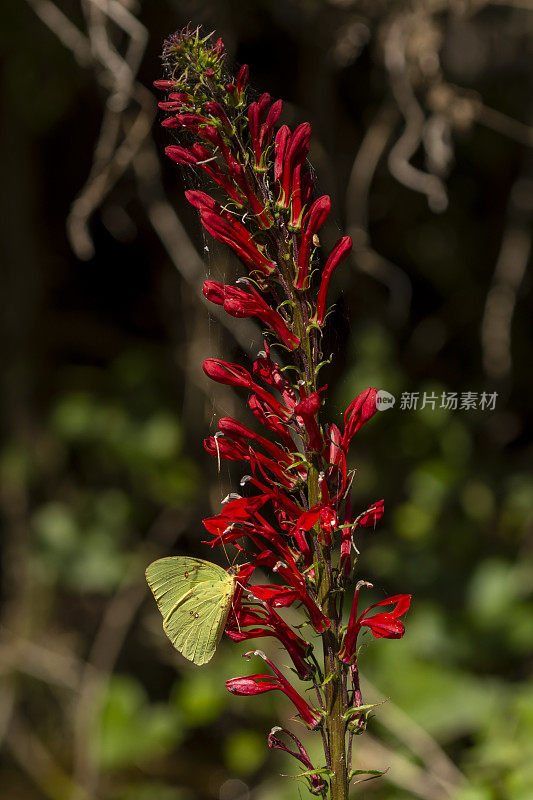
x: 231, y: 449
x: 293, y: 152
x: 307, y: 409
x: 282, y: 137
x: 215, y: 110
x: 338, y: 254
x: 358, y: 412
x: 371, y: 516
x: 238, y: 175
x: 270, y: 420
x: 316, y: 782
x: 279, y: 498
x: 288, y: 570
x: 267, y: 129
x: 270, y: 624
x: 269, y: 372
x: 316, y: 217
x: 236, y: 236
x: 199, y: 156
x: 260, y: 683
x: 164, y: 84
x: 323, y: 512
x: 261, y: 134
x: 234, y: 375
x: 242, y: 77
x: 383, y: 625
x: 302, y: 189
x: 239, y: 303
x: 237, y: 430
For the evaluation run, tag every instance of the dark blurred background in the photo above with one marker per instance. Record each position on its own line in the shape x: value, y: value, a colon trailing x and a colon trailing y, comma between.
x: 422, y: 116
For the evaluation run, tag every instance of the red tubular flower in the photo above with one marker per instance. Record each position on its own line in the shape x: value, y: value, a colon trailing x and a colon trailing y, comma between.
x: 234, y: 375
x: 288, y: 570
x: 256, y: 113
x: 231, y: 449
x: 338, y: 254
x: 270, y: 420
x: 346, y: 549
x: 257, y: 208
x: 175, y: 102
x: 215, y: 110
x: 239, y: 303
x: 337, y: 472
x: 191, y: 122
x: 270, y: 624
x: 280, y: 499
x: 203, y: 202
x: 242, y: 77
x: 244, y: 507
x: 295, y: 153
x: 307, y: 409
x: 274, y: 596
x: 295, y: 221
x: 164, y: 85
x: 212, y: 135
x: 302, y: 190
x: 237, y: 430
x: 269, y: 372
x: 328, y: 521
x: 228, y: 373
x: 237, y: 511
x: 358, y: 412
x: 218, y: 48
x: 282, y: 137
x: 260, y: 683
x: 228, y: 531
x: 335, y: 448
x: 239, y: 239
x: 383, y: 625
x: 317, y: 783
x: 199, y: 156
x: 371, y: 516
x: 267, y: 129
x: 314, y: 219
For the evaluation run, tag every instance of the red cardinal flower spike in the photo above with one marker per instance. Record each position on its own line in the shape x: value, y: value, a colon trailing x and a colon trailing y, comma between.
x: 292, y: 519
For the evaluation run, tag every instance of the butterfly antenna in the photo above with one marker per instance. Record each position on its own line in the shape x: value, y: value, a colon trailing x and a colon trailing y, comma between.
x: 225, y: 552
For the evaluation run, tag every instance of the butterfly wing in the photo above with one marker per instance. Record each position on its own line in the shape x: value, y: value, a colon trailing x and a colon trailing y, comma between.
x: 194, y: 597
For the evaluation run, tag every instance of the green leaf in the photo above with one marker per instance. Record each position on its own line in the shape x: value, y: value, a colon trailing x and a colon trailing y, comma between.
x: 352, y: 712
x: 373, y: 773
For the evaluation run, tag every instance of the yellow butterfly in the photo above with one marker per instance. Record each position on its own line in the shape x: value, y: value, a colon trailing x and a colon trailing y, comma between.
x: 194, y: 597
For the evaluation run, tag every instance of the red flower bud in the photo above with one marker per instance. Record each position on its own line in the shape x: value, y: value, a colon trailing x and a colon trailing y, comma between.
x: 358, y: 412
x: 260, y: 683
x: 242, y: 77
x: 371, y: 516
x: 317, y: 215
x: 164, y: 84
x: 239, y: 239
x: 282, y: 137
x: 307, y: 409
x: 338, y: 254
x: 296, y: 150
